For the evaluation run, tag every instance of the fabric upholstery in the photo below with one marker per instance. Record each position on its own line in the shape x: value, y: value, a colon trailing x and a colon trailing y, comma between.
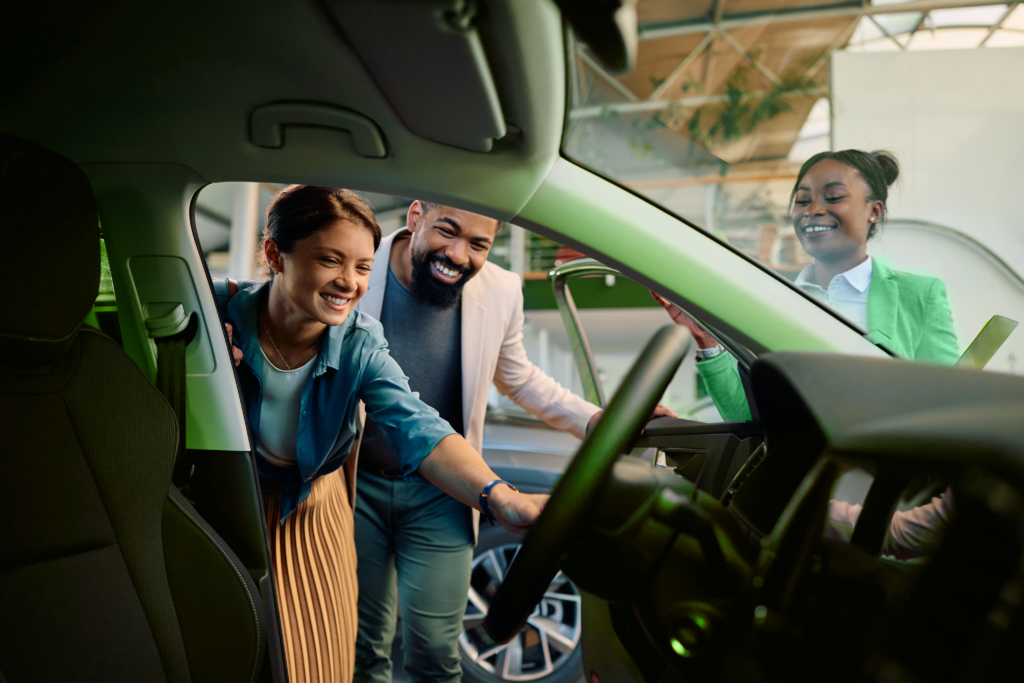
x: 89, y: 444
x: 48, y: 217
x: 62, y: 576
x: 64, y: 572
x: 130, y: 437
x: 108, y: 575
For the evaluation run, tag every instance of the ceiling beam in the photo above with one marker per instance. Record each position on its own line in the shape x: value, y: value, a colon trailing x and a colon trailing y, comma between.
x: 719, y: 11
x: 768, y: 73
x: 779, y: 15
x: 888, y: 35
x: 605, y: 76
x: 598, y: 110
x: 995, y: 27
x: 712, y: 54
x: 713, y: 179
x: 840, y: 40
x: 920, y: 23
x: 683, y: 65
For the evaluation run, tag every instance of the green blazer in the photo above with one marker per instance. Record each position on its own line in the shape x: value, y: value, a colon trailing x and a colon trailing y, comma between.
x: 907, y: 314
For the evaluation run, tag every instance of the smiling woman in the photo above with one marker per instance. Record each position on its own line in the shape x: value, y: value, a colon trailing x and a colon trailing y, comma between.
x: 306, y: 360
x: 325, y: 237
x: 838, y: 203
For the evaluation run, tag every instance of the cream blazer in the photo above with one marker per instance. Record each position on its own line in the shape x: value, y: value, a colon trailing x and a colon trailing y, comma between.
x: 492, y: 352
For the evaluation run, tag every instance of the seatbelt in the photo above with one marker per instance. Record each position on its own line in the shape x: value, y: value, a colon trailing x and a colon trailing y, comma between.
x: 171, y: 332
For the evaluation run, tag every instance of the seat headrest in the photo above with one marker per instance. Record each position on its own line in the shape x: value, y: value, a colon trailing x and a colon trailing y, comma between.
x: 50, y: 269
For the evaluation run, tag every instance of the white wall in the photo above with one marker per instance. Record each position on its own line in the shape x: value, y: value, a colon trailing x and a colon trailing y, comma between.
x: 954, y: 119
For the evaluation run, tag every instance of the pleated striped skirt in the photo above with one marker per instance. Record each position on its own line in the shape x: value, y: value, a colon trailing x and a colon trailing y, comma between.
x: 314, y: 556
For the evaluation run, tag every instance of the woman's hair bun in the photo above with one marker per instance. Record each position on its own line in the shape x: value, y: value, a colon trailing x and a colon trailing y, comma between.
x: 890, y: 167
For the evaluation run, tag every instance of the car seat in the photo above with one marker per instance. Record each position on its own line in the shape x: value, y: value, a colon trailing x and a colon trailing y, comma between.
x: 106, y: 571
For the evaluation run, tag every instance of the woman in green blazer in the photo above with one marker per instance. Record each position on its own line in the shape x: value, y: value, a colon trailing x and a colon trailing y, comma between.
x: 837, y: 205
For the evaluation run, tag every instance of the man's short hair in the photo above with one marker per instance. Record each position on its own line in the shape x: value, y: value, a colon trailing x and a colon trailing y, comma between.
x: 430, y: 206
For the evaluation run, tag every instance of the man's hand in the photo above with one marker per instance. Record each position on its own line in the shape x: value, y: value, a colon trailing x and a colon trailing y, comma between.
x: 659, y: 411
x: 679, y: 317
x: 515, y: 511
x: 236, y: 352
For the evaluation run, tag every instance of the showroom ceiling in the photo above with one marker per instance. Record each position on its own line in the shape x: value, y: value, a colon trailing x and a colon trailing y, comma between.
x: 694, y: 54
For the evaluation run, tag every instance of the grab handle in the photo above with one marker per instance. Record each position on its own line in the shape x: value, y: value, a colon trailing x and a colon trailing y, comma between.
x: 267, y: 125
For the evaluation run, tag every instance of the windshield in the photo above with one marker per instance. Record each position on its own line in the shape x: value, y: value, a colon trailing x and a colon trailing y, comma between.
x: 725, y: 105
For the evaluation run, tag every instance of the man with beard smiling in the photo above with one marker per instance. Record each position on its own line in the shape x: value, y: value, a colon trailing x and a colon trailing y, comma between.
x: 454, y: 323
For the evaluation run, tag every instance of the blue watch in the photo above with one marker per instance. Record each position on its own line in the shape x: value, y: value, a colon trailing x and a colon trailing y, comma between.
x: 484, y: 507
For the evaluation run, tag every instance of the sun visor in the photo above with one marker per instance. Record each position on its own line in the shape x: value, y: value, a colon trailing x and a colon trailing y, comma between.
x: 427, y: 57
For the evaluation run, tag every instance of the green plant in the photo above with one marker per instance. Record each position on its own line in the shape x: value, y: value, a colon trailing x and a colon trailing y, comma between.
x: 743, y: 110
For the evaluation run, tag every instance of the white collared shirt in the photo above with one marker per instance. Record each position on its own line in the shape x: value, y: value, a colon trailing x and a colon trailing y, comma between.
x: 847, y: 292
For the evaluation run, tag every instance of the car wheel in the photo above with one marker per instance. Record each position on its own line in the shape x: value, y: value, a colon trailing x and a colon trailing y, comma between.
x: 547, y: 649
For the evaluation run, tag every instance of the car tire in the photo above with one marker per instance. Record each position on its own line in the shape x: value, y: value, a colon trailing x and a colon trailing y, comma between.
x: 496, y: 543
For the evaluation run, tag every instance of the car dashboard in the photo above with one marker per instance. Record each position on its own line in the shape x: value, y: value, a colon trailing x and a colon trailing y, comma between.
x: 721, y: 568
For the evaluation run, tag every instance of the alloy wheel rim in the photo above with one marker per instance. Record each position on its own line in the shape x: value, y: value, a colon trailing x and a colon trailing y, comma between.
x: 547, y: 641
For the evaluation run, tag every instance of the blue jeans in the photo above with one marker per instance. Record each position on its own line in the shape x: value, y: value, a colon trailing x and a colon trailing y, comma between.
x: 417, y: 534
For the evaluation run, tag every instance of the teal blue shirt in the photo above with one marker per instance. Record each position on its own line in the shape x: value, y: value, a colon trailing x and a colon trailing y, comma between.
x: 353, y: 364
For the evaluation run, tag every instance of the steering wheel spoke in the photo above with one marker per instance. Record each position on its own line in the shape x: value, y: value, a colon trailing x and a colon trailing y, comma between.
x: 798, y: 532
x: 569, y: 511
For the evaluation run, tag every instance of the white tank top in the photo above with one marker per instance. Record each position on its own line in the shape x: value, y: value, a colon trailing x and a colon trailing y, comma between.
x: 279, y: 412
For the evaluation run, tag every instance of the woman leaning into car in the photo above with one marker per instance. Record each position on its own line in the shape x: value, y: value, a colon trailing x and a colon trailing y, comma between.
x: 306, y: 359
x: 838, y: 203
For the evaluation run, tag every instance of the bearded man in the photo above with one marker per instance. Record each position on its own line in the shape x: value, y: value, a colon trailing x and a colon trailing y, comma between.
x: 454, y: 323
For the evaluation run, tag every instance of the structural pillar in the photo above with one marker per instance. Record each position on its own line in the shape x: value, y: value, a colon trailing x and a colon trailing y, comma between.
x: 244, y: 231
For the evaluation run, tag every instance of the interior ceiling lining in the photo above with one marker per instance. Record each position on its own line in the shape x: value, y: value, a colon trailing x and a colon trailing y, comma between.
x: 193, y: 78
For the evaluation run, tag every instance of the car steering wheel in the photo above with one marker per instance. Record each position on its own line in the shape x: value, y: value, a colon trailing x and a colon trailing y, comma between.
x: 566, y: 513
